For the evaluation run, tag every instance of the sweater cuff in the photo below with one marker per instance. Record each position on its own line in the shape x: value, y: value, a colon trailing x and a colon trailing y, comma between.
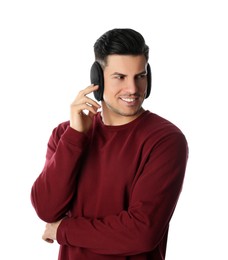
x: 60, y: 234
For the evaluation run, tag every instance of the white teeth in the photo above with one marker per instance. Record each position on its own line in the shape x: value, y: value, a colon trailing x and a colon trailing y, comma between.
x: 128, y: 99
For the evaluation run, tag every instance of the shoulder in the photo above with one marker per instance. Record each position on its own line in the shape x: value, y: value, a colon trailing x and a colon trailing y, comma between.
x: 164, y: 137
x: 156, y: 129
x: 153, y: 122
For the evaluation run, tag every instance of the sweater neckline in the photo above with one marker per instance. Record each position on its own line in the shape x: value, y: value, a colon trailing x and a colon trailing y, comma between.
x: 120, y: 127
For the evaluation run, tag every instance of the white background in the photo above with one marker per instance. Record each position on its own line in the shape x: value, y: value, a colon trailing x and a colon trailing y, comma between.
x: 46, y: 50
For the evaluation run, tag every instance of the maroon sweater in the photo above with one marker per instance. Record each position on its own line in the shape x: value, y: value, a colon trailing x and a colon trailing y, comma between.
x: 117, y: 185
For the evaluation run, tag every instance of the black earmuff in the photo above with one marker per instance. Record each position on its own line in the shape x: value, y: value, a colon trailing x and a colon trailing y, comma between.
x: 97, y: 78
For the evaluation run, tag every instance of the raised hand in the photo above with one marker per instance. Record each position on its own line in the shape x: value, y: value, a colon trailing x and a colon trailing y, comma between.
x: 79, y: 120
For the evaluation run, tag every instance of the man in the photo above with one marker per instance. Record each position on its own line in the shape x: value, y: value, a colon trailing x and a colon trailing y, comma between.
x: 112, y: 179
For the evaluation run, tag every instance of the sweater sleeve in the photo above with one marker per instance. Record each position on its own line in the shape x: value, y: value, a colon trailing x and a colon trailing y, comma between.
x: 151, y: 204
x: 55, y: 186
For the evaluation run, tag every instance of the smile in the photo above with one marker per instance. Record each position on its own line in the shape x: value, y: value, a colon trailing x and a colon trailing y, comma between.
x: 128, y: 99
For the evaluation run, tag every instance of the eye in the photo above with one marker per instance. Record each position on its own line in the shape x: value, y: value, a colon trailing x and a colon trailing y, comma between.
x: 119, y: 76
x: 141, y: 76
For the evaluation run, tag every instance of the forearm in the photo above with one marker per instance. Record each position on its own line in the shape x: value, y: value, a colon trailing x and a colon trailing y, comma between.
x: 137, y: 230
x: 128, y: 233
x: 144, y: 224
x: 122, y: 234
x: 54, y: 188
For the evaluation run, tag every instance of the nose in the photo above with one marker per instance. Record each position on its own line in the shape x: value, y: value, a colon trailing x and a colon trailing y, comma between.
x: 131, y: 86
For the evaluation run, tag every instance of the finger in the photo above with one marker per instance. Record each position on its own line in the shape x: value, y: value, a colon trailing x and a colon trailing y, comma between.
x: 45, y: 238
x: 49, y: 240
x: 85, y: 101
x: 90, y: 108
x: 88, y: 90
x: 92, y: 113
x: 91, y: 102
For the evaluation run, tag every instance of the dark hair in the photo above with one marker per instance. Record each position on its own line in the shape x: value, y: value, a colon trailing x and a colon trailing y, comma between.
x: 122, y: 42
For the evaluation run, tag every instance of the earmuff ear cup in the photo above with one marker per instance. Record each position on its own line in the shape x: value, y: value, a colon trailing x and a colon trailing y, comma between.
x: 97, y: 78
x: 149, y: 80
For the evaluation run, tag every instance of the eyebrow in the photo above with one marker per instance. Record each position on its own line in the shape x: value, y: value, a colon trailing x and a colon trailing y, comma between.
x: 118, y: 73
x: 124, y: 75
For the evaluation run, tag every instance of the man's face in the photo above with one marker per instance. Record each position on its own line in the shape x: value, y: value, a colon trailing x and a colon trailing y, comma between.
x: 125, y: 85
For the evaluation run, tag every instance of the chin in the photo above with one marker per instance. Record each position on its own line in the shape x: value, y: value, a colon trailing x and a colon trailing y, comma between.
x: 126, y: 112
